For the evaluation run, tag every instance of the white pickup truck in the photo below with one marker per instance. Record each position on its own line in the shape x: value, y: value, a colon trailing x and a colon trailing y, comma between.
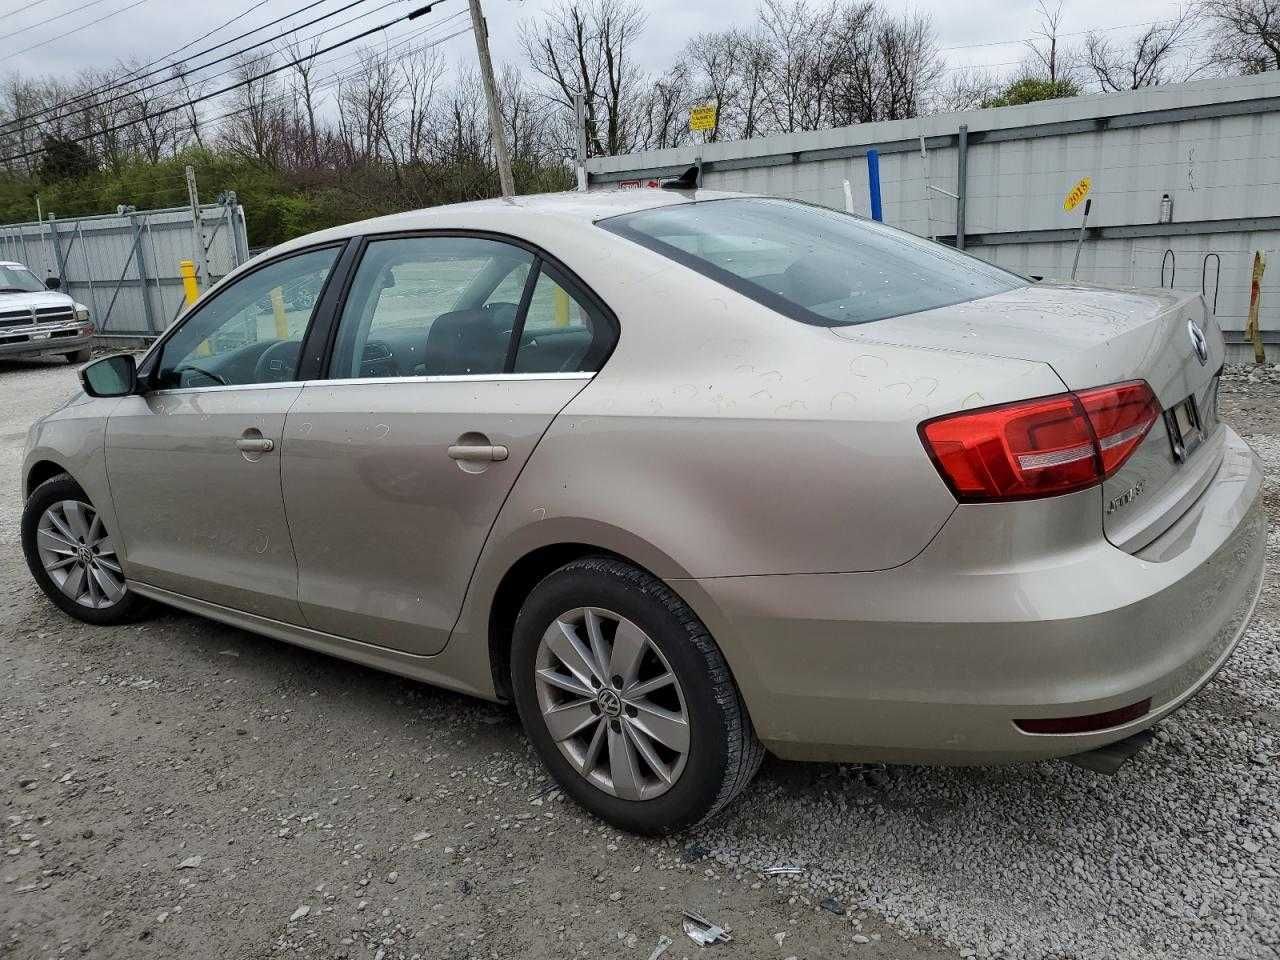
x: 35, y: 318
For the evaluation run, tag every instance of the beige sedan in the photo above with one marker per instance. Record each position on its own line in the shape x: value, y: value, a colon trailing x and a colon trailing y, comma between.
x: 685, y: 476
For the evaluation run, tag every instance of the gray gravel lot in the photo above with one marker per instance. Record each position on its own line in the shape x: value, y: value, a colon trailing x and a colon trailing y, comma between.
x: 178, y: 788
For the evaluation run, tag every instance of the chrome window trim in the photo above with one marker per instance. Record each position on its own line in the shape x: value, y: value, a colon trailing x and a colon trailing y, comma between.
x: 454, y: 378
x: 458, y: 378
x: 223, y: 388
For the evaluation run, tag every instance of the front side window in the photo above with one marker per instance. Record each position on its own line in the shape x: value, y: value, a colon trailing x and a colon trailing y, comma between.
x: 431, y: 306
x: 250, y: 331
x: 812, y: 264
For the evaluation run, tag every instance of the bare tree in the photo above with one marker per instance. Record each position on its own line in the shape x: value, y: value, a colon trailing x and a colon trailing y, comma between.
x: 1160, y: 54
x: 711, y: 64
x: 887, y: 66
x: 663, y: 118
x: 1245, y: 34
x: 1048, y: 56
x: 420, y: 75
x: 154, y: 122
x: 367, y: 106
x: 968, y: 89
x: 587, y: 47
x: 255, y: 128
x: 305, y: 90
x: 798, y: 84
x: 187, y: 91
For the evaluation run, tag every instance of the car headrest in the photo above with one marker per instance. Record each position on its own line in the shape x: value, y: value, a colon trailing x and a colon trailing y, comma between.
x: 465, y: 341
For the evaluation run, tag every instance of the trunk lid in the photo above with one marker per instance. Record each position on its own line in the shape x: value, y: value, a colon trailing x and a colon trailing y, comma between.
x: 1094, y: 336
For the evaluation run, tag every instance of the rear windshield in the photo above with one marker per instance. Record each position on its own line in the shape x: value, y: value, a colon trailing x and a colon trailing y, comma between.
x: 812, y: 264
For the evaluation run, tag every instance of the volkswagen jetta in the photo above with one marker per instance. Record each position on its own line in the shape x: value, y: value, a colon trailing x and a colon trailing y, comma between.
x: 685, y: 476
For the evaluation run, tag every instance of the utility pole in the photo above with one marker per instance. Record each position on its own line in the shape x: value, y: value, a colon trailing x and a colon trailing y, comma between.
x: 481, y: 31
x: 580, y: 122
x: 197, y: 226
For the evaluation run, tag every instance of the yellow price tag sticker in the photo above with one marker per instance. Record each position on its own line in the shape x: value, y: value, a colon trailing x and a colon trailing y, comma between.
x: 703, y: 117
x: 1077, y: 194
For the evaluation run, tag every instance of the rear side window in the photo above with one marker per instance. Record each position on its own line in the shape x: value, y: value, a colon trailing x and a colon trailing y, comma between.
x: 812, y: 264
x: 559, y: 329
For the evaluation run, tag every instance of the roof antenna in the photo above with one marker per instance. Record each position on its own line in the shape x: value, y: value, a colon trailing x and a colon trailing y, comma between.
x: 686, y: 181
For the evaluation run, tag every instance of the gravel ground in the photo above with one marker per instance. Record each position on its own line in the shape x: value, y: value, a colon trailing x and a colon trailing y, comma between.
x: 180, y: 788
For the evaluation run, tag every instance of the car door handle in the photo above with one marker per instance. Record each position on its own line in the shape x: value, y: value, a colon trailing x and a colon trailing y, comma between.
x: 477, y: 452
x: 255, y: 444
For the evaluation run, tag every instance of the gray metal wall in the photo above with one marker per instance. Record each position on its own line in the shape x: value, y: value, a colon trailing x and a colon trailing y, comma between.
x: 1213, y: 146
x: 124, y: 267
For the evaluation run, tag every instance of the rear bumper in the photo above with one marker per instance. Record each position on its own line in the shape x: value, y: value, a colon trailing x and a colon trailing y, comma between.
x: 932, y: 662
x: 21, y: 342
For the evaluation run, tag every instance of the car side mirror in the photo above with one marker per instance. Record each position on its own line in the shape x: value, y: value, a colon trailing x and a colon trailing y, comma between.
x: 53, y: 283
x: 115, y: 376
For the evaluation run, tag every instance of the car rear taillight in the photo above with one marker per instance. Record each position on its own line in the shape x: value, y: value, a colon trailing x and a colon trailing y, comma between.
x: 1043, y: 447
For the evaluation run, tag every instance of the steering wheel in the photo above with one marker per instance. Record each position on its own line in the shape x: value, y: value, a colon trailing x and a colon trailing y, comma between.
x: 278, y: 362
x: 183, y: 368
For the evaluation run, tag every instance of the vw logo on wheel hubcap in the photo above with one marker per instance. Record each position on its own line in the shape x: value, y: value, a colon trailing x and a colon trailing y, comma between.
x: 610, y: 703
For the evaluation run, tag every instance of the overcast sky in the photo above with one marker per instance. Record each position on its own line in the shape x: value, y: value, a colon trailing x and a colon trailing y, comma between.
x: 147, y: 29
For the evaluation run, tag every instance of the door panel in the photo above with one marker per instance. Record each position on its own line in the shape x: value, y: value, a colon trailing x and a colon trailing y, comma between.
x: 198, y: 515
x: 386, y: 524
x: 194, y: 464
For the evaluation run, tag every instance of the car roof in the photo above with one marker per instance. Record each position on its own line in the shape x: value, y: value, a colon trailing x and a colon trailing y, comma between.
x: 575, y: 207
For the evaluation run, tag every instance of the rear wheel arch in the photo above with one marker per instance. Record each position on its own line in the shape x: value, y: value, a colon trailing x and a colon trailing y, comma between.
x: 514, y: 587
x: 538, y: 563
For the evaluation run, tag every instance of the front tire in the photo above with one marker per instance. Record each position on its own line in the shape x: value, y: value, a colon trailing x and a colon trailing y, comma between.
x: 72, y: 556
x: 79, y: 356
x: 628, y: 700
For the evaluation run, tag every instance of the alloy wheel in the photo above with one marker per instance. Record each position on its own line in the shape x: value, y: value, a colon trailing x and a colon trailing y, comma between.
x: 78, y: 554
x: 612, y: 703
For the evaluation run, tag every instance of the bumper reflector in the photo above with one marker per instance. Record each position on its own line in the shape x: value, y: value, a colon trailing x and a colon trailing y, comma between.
x: 1087, y: 724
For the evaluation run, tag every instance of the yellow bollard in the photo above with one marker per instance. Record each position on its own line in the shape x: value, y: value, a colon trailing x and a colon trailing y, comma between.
x: 191, y: 292
x: 190, y: 286
x: 277, y: 307
x: 561, y: 300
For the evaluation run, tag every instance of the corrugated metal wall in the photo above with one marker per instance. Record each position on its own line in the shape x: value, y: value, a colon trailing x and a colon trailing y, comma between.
x: 1213, y: 146
x: 124, y: 267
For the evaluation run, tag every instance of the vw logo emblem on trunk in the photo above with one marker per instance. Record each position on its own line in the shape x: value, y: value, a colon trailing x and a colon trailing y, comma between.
x: 1199, y: 342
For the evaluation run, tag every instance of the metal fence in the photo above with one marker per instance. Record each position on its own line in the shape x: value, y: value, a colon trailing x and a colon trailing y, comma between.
x: 995, y: 181
x: 124, y: 266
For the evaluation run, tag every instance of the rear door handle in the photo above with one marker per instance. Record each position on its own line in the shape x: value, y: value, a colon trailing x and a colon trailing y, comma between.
x: 255, y: 444
x: 476, y: 452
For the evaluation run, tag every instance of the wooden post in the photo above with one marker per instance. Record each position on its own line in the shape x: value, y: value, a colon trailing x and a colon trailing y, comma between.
x: 481, y: 31
x: 1255, y: 303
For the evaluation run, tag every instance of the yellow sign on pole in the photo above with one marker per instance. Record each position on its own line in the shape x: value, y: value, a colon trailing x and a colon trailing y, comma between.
x: 1077, y: 194
x: 703, y: 117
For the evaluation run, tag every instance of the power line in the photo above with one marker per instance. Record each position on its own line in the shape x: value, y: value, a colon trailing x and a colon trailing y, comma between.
x: 23, y: 9
x: 63, y: 36
x: 41, y: 23
x: 133, y: 91
x: 206, y: 36
x: 412, y: 15
x: 159, y: 184
x: 1060, y: 36
x: 136, y: 74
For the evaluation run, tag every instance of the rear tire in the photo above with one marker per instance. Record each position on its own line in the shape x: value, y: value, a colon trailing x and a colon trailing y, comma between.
x: 79, y: 356
x: 648, y: 754
x: 71, y: 555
